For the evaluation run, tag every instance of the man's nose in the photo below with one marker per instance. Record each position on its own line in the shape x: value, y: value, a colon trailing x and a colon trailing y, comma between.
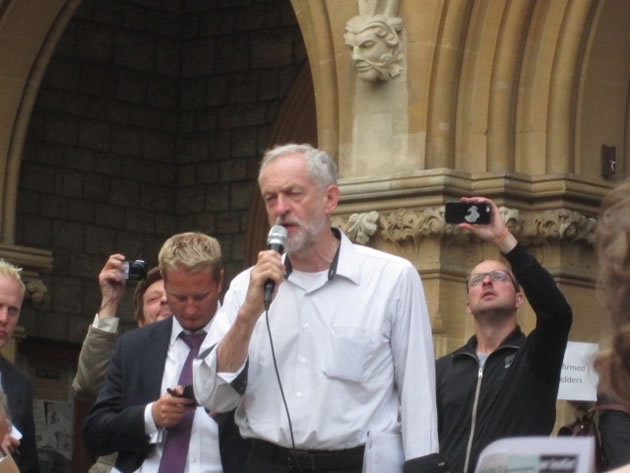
x: 282, y: 207
x: 486, y: 279
x: 355, y: 53
x: 4, y: 314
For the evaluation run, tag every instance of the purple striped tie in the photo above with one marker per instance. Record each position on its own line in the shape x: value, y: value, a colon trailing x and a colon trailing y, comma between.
x: 178, y: 436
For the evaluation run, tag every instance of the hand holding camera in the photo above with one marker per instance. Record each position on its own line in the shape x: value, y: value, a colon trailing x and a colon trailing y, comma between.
x: 112, y: 280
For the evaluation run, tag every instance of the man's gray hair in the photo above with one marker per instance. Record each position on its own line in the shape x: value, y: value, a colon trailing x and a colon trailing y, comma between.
x: 320, y: 165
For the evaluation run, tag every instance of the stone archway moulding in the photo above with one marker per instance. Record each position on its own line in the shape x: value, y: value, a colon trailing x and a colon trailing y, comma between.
x: 489, y: 87
x: 296, y: 123
x: 29, y: 32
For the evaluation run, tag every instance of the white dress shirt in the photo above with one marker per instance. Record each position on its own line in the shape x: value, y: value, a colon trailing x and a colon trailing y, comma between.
x: 203, y: 452
x: 355, y: 355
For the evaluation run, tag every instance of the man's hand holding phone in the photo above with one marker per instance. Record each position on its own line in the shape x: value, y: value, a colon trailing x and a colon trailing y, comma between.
x: 169, y: 409
x: 491, y: 228
x: 182, y: 391
x: 467, y: 212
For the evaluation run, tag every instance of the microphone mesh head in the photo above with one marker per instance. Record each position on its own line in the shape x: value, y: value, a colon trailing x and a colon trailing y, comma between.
x: 277, y: 236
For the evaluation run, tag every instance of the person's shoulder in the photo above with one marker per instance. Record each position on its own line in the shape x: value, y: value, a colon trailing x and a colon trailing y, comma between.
x: 443, y: 369
x: 444, y: 360
x: 241, y: 279
x: 380, y: 256
x: 17, y: 375
x: 449, y: 358
x: 147, y: 331
x: 380, y: 264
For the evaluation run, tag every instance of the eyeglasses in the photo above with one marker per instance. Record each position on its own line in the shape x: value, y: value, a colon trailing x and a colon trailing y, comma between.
x: 498, y: 275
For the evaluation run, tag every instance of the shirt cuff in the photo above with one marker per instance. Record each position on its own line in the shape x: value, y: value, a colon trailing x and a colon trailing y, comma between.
x: 229, y: 377
x: 152, y: 431
x: 110, y: 324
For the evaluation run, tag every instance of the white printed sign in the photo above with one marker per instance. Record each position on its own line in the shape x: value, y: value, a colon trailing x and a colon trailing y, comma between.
x: 538, y: 455
x: 578, y: 379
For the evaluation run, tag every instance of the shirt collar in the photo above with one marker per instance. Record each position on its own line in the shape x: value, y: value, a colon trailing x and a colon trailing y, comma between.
x: 516, y: 338
x: 343, y: 263
x: 177, y: 329
x: 348, y: 266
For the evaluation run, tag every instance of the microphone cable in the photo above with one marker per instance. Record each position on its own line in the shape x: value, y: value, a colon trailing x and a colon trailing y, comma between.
x: 284, y: 399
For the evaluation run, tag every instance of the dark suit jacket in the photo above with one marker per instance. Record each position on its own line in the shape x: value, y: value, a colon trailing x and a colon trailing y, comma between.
x: 19, y: 391
x: 116, y: 420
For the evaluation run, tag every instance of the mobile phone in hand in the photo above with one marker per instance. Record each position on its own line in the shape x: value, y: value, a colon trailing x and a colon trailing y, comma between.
x: 467, y: 212
x: 188, y: 392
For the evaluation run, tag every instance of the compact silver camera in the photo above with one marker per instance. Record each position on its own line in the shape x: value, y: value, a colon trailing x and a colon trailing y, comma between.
x: 135, y: 270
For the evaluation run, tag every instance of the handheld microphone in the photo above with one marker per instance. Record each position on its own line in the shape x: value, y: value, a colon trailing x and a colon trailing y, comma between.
x: 276, y: 240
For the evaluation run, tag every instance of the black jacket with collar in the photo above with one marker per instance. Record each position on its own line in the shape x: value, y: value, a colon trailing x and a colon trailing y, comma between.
x: 515, y: 391
x: 116, y: 420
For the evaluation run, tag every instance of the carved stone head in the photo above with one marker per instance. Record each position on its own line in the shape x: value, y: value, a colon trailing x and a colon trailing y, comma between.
x: 375, y: 44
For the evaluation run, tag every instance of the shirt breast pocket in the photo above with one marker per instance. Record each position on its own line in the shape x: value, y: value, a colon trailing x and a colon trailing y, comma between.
x: 349, y: 353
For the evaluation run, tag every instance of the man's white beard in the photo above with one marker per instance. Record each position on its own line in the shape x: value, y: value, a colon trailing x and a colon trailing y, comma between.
x: 305, y: 237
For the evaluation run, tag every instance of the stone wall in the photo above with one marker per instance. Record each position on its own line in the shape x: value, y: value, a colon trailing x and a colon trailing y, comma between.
x: 151, y: 120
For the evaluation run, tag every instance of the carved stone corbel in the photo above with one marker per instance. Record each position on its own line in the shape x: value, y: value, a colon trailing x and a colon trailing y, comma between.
x: 36, y: 290
x: 362, y: 226
x: 403, y: 226
x: 373, y: 37
x: 558, y: 224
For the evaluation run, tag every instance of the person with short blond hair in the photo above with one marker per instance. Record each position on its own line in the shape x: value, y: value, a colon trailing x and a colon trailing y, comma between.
x: 193, y: 251
x: 10, y: 271
x: 142, y: 411
x: 16, y: 384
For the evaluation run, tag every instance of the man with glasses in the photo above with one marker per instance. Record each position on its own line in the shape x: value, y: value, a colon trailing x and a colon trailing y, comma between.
x: 502, y: 383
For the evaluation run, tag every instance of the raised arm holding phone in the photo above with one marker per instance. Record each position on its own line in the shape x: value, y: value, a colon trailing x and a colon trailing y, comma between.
x: 501, y: 383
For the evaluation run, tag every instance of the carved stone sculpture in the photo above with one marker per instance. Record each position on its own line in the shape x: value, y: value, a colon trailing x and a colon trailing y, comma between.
x: 36, y: 290
x: 362, y: 226
x: 373, y: 37
x: 411, y: 226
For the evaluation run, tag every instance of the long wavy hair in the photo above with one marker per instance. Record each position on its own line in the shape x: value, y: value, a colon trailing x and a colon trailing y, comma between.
x: 612, y: 241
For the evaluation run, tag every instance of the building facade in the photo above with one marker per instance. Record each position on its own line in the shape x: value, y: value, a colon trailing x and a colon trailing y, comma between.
x: 125, y: 121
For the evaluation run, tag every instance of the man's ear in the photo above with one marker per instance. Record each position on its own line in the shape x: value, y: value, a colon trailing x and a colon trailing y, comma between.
x: 519, y: 300
x: 331, y: 198
x: 220, y: 280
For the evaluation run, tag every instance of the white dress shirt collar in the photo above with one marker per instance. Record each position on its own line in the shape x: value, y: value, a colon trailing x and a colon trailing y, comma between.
x: 344, y: 262
x: 177, y: 329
